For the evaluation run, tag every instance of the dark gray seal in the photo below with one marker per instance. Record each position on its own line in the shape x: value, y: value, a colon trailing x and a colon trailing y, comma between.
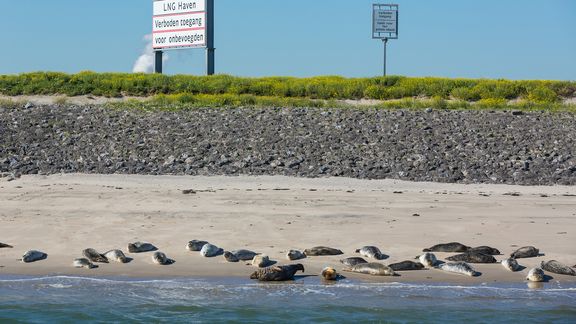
x: 372, y: 268
x: 322, y: 250
x: 230, y: 257
x: 472, y: 257
x: 371, y: 252
x: 33, y: 255
x: 525, y: 252
x: 83, y: 263
x: 485, y: 250
x: 277, y: 273
x: 161, y: 258
x: 295, y: 255
x: 116, y: 255
x: 94, y: 256
x: 139, y: 247
x: 353, y: 261
x: 406, y: 266
x: 210, y: 250
x: 195, y: 245
x: 244, y: 255
x: 557, y: 267
x: 4, y: 245
x: 447, y: 247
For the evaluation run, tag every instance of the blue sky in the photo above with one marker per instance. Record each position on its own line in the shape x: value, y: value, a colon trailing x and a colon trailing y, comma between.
x: 514, y: 39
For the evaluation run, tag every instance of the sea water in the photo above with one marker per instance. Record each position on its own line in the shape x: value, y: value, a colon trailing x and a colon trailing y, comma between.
x: 75, y: 299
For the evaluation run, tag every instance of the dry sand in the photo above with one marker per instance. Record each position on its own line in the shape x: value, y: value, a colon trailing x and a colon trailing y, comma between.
x: 64, y: 214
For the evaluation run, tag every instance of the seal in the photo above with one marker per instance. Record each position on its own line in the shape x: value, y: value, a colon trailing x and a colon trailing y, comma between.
x: 353, y: 261
x: 161, y: 258
x: 116, y: 255
x: 295, y: 255
x: 535, y: 275
x: 511, y: 264
x: 447, y: 247
x: 428, y: 259
x: 83, y: 263
x: 261, y: 261
x: 406, y: 266
x: 371, y: 252
x: 139, y: 247
x: 322, y: 250
x: 230, y: 257
x: 525, y: 252
x: 557, y: 267
x: 210, y: 250
x: 277, y: 273
x: 459, y: 267
x: 94, y: 256
x: 33, y: 255
x: 4, y: 245
x: 472, y: 257
x: 485, y: 250
x: 195, y: 245
x: 244, y: 255
x: 372, y: 268
x: 329, y: 273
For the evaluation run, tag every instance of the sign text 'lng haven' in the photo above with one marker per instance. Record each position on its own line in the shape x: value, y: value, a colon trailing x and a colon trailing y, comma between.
x: 179, y: 24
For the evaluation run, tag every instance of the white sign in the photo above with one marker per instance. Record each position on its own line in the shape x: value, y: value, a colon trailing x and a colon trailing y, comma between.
x: 179, y: 24
x: 385, y: 22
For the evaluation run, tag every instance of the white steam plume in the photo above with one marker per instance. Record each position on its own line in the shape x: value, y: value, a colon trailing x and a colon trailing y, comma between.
x: 145, y: 62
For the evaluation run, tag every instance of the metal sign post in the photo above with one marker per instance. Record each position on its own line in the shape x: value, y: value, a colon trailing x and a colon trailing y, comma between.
x: 385, y: 24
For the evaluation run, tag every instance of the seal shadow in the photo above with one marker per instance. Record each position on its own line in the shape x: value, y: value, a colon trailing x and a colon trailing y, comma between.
x: 521, y: 267
x: 128, y: 259
x: 477, y: 274
x: 383, y: 257
x: 547, y: 278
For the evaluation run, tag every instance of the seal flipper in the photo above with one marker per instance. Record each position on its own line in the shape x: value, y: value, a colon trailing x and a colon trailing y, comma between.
x: 4, y: 245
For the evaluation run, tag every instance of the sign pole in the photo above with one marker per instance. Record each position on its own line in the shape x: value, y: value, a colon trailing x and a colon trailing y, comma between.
x: 158, y: 62
x: 385, y: 41
x: 210, y: 37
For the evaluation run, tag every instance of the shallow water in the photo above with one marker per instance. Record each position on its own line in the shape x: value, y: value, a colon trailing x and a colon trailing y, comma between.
x: 72, y: 299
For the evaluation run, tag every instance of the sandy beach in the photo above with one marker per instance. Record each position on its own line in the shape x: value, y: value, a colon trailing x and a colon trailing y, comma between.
x: 64, y: 214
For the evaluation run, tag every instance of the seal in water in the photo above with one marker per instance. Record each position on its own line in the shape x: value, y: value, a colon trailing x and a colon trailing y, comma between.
x: 195, y: 245
x: 277, y: 273
x: 139, y: 247
x: 525, y: 252
x: 458, y: 267
x: 116, y: 255
x: 83, y: 263
x: 535, y: 275
x: 557, y: 267
x: 94, y: 256
x: 372, y: 268
x: 406, y: 266
x: 371, y: 252
x: 322, y: 250
x: 210, y: 250
x: 485, y: 250
x: 353, y: 261
x: 4, y: 245
x: 428, y: 259
x: 33, y: 255
x: 511, y: 264
x: 329, y: 273
x: 295, y: 255
x: 161, y: 258
x: 472, y: 257
x: 448, y: 247
x: 261, y: 261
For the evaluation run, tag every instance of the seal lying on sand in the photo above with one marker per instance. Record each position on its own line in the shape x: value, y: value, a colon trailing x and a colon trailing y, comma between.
x: 371, y: 252
x: 83, y: 263
x: 277, y: 273
x: 161, y: 258
x: 33, y: 255
x: 372, y: 268
x: 239, y: 255
x: 525, y: 252
x: 406, y: 265
x: 511, y: 264
x: 195, y: 245
x: 261, y: 261
x: 353, y: 261
x: 472, y: 257
x: 295, y: 255
x: 322, y: 250
x: 536, y: 275
x: 4, y: 245
x: 210, y: 250
x: 329, y: 273
x: 485, y: 250
x: 557, y: 267
x: 458, y: 267
x: 428, y: 259
x: 94, y: 256
x: 116, y: 255
x: 448, y: 247
x: 139, y: 247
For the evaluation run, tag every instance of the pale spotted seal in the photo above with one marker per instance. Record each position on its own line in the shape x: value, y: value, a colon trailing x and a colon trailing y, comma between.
x: 33, y: 255
x: 353, y: 261
x: 94, y: 256
x: 116, y: 255
x: 4, y: 245
x: 329, y: 273
x: 83, y: 263
x: 195, y: 245
x: 458, y: 267
x: 485, y: 250
x: 447, y: 247
x: 406, y: 266
x: 139, y: 247
x: 210, y: 250
x: 372, y: 268
x: 295, y: 255
x: 322, y: 250
x: 511, y: 264
x: 536, y: 275
x: 277, y: 273
x: 557, y: 267
x: 472, y: 257
x: 371, y: 252
x: 525, y: 252
x: 261, y: 261
x: 428, y: 259
x: 161, y: 258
